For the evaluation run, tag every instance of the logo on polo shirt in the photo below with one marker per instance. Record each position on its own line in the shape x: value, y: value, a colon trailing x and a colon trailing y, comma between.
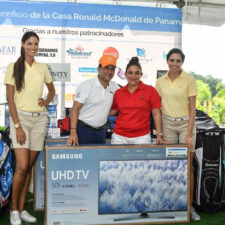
x: 78, y: 95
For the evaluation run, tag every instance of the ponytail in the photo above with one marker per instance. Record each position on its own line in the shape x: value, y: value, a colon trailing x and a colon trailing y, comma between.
x: 19, y: 71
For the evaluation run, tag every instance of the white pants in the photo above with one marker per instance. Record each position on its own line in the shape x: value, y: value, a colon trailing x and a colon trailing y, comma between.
x: 118, y: 140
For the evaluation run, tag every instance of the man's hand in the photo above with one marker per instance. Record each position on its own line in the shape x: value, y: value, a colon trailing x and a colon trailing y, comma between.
x: 73, y: 138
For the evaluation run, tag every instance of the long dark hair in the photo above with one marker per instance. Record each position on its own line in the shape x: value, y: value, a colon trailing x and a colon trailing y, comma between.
x: 19, y: 66
x: 134, y: 62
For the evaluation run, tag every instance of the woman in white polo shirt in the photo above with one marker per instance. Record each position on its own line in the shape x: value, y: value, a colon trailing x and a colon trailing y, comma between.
x: 178, y: 91
x: 24, y: 82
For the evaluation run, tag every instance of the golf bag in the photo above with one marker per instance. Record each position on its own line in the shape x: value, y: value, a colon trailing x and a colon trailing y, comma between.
x: 6, y: 171
x: 208, y: 169
x: 223, y: 192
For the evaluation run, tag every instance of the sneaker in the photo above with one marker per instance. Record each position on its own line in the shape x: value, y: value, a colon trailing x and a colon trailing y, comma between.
x: 25, y: 216
x: 15, y: 217
x: 193, y: 214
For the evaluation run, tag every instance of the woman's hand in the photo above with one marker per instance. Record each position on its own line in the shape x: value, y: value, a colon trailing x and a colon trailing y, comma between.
x: 42, y: 102
x: 189, y: 142
x: 113, y: 112
x: 160, y: 140
x: 20, y: 136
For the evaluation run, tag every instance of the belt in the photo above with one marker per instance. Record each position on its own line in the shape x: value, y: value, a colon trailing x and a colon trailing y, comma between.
x: 34, y: 113
x: 88, y: 126
x: 176, y: 119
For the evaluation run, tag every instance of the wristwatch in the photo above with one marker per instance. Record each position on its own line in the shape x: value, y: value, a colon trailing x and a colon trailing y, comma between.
x: 17, y: 125
x: 160, y: 134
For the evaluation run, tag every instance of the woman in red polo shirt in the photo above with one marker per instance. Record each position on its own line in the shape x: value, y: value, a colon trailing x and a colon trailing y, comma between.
x: 134, y: 102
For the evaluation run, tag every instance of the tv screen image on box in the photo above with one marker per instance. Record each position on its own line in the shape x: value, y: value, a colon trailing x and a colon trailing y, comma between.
x: 140, y: 186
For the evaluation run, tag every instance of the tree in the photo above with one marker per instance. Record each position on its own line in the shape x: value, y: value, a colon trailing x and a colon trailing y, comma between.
x: 220, y: 88
x: 219, y: 103
x: 212, y: 82
x: 204, y: 96
x: 214, y: 106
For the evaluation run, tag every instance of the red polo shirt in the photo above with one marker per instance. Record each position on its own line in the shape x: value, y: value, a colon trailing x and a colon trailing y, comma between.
x: 134, y: 110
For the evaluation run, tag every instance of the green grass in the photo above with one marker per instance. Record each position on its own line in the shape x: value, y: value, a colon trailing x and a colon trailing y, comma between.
x: 206, y: 219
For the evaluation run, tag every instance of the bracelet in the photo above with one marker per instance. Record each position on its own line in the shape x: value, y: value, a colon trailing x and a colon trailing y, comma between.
x: 45, y: 103
x: 73, y: 128
x: 160, y: 134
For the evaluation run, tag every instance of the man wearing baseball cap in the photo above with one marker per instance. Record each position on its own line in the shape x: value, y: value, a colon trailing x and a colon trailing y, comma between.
x: 92, y: 103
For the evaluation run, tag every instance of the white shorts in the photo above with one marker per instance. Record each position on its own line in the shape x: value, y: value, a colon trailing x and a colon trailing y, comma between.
x: 35, y: 128
x: 176, y: 131
x: 119, y: 140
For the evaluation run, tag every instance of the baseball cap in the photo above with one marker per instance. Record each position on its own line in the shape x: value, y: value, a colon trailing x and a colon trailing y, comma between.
x: 107, y: 60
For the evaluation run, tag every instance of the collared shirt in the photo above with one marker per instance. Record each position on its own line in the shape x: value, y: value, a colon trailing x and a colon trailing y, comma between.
x: 34, y: 78
x: 134, y: 110
x: 96, y: 101
x: 174, y: 94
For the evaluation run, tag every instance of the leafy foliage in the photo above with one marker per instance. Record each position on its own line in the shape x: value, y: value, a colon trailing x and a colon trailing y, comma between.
x: 212, y: 82
x: 211, y: 97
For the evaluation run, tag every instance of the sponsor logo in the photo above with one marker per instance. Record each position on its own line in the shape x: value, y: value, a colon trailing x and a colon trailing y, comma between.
x: 161, y: 73
x: 141, y: 52
x: 142, y: 55
x: 121, y: 74
x: 7, y: 50
x: 69, y: 97
x: 78, y: 52
x: 2, y: 69
x: 164, y: 55
x: 88, y: 70
x: 67, y: 156
x: 59, y: 71
x: 47, y: 52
